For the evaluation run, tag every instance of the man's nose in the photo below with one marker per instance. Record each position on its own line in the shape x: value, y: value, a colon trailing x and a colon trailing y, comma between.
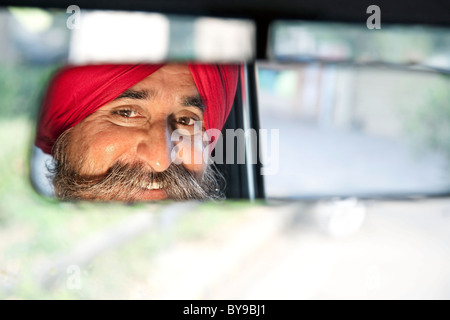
x: 155, y: 146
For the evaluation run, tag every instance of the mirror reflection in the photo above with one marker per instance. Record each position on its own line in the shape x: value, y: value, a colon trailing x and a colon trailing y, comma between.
x: 352, y: 118
x: 135, y: 132
x: 349, y: 130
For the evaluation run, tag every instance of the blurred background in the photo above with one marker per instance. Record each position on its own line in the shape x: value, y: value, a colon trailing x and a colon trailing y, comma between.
x: 364, y: 126
x: 361, y: 112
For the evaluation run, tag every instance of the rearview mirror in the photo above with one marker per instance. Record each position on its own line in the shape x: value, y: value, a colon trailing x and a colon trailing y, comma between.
x: 321, y: 82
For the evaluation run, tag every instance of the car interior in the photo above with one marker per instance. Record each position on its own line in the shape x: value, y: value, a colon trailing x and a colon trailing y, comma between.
x: 345, y: 188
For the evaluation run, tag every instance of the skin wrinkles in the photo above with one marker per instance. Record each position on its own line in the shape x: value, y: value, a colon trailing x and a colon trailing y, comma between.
x: 194, y: 101
x: 137, y: 126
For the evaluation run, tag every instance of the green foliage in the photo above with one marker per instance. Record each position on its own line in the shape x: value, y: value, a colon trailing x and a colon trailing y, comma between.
x: 429, y: 124
x: 22, y: 88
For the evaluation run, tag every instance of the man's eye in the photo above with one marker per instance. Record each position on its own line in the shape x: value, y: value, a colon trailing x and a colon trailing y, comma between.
x: 126, y: 113
x: 186, y: 121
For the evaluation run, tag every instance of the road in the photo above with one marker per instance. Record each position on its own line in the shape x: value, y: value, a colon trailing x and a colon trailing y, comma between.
x: 315, y: 161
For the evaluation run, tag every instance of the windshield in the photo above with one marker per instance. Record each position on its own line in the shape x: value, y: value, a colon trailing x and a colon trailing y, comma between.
x: 359, y: 112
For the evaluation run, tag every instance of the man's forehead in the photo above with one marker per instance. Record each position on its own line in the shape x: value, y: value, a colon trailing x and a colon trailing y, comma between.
x: 191, y: 100
x: 137, y: 94
x: 171, y: 72
x: 175, y: 77
x: 175, y: 68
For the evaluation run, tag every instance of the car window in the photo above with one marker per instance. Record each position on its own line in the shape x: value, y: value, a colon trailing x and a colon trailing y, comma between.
x: 359, y: 112
x: 340, y: 248
x: 51, y: 45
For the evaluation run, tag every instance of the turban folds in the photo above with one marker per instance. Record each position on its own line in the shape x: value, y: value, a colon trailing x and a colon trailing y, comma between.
x: 77, y: 92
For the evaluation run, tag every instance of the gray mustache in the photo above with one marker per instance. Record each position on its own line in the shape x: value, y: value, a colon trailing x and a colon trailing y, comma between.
x: 125, y: 182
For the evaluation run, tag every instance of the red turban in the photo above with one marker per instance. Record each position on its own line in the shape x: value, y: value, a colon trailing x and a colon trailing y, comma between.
x: 77, y: 92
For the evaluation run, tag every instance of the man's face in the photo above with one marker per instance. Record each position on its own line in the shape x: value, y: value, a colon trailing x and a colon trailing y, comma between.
x: 136, y: 130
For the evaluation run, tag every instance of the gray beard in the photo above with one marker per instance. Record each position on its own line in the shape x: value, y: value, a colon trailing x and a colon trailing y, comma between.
x: 125, y: 182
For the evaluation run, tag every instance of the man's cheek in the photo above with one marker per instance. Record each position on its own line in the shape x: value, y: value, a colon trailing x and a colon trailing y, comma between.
x: 102, y: 153
x: 188, y: 150
x: 197, y: 148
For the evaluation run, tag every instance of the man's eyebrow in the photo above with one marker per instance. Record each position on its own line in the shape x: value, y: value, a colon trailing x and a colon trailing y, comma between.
x: 135, y: 94
x: 194, y: 101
